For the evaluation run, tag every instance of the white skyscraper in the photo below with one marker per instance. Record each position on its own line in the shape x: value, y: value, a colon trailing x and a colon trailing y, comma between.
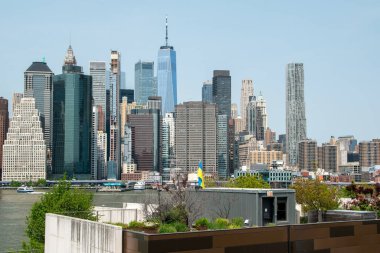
x: 246, y: 92
x: 295, y: 110
x: 24, y: 150
x: 168, y: 139
x: 102, y: 155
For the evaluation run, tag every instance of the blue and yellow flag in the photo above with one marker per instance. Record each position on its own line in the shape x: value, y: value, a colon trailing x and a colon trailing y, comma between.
x: 201, y: 182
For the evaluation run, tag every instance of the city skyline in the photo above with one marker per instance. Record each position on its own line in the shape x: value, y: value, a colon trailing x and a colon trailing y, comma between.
x: 261, y: 55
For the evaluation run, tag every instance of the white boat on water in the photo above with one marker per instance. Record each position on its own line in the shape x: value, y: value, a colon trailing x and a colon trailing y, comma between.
x: 140, y: 185
x: 25, y: 189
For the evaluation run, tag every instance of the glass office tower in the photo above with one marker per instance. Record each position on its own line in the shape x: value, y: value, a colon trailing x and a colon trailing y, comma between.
x: 145, y: 84
x: 167, y: 76
x: 72, y: 120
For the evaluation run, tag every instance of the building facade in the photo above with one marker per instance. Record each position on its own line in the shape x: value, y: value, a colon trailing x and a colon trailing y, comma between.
x: 16, y: 98
x: 207, y: 92
x: 167, y: 76
x: 98, y: 71
x: 38, y: 80
x: 307, y: 155
x: 221, y: 91
x: 168, y: 140
x: 4, y: 123
x: 369, y: 153
x: 196, y: 137
x: 24, y: 150
x: 72, y: 121
x: 329, y: 153
x: 265, y: 157
x: 295, y: 110
x: 145, y: 83
x: 222, y: 147
x: 115, y: 124
x: 145, y: 126
x: 246, y: 92
x: 129, y: 93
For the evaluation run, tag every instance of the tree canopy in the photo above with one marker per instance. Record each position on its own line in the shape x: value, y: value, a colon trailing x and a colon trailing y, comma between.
x: 314, y: 195
x: 60, y: 200
x: 248, y: 181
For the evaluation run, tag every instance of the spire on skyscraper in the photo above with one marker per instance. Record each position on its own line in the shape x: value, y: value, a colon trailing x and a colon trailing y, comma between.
x: 166, y: 38
x: 69, y: 57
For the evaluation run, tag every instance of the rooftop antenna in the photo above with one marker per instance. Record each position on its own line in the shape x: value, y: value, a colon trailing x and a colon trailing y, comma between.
x: 166, y: 38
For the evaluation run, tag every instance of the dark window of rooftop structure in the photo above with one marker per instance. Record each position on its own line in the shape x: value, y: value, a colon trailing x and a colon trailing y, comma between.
x: 281, y: 209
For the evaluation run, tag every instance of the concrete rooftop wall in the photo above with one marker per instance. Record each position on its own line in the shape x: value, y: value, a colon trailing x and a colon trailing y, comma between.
x: 67, y: 234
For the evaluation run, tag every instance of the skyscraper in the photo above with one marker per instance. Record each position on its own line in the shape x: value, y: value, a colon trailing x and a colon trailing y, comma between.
x: 295, y: 110
x: 38, y: 80
x: 24, y: 150
x: 261, y: 118
x: 168, y: 139
x: 167, y: 76
x: 145, y: 83
x: 221, y: 91
x: 114, y: 81
x: 4, y: 123
x: 99, y: 79
x: 257, y: 117
x: 246, y: 92
x: 207, y: 92
x: 195, y: 137
x: 72, y: 120
x: 145, y: 126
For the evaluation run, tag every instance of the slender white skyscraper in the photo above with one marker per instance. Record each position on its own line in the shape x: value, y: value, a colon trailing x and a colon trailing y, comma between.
x: 115, y: 112
x: 24, y: 150
x: 295, y: 110
x: 246, y: 92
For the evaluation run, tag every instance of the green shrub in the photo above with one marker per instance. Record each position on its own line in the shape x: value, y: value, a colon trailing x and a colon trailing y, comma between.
x: 220, y: 223
x: 238, y: 221
x: 136, y: 224
x: 166, y: 228
x: 202, y: 222
x: 180, y: 227
x: 233, y: 226
x: 118, y: 224
x: 177, y: 214
x: 270, y: 224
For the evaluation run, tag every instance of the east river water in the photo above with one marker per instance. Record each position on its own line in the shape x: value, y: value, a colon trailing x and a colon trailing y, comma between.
x: 14, y: 207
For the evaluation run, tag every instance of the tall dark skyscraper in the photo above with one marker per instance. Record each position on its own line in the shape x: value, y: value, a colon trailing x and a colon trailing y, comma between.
x: 221, y: 91
x: 72, y: 120
x: 38, y: 85
x: 146, y: 138
x: 4, y: 123
x: 295, y: 110
x: 167, y: 76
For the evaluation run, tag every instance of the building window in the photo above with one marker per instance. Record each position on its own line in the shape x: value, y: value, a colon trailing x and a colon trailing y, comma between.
x: 281, y: 209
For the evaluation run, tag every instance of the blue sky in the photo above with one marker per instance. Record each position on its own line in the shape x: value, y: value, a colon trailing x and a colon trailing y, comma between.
x: 338, y: 42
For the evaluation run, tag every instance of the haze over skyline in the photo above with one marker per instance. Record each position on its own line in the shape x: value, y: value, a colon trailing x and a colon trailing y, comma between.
x: 337, y: 42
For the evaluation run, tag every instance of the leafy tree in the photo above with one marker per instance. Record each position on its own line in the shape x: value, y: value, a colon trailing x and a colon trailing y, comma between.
x: 60, y: 200
x: 248, y: 181
x: 15, y: 183
x: 41, y: 182
x: 314, y: 195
